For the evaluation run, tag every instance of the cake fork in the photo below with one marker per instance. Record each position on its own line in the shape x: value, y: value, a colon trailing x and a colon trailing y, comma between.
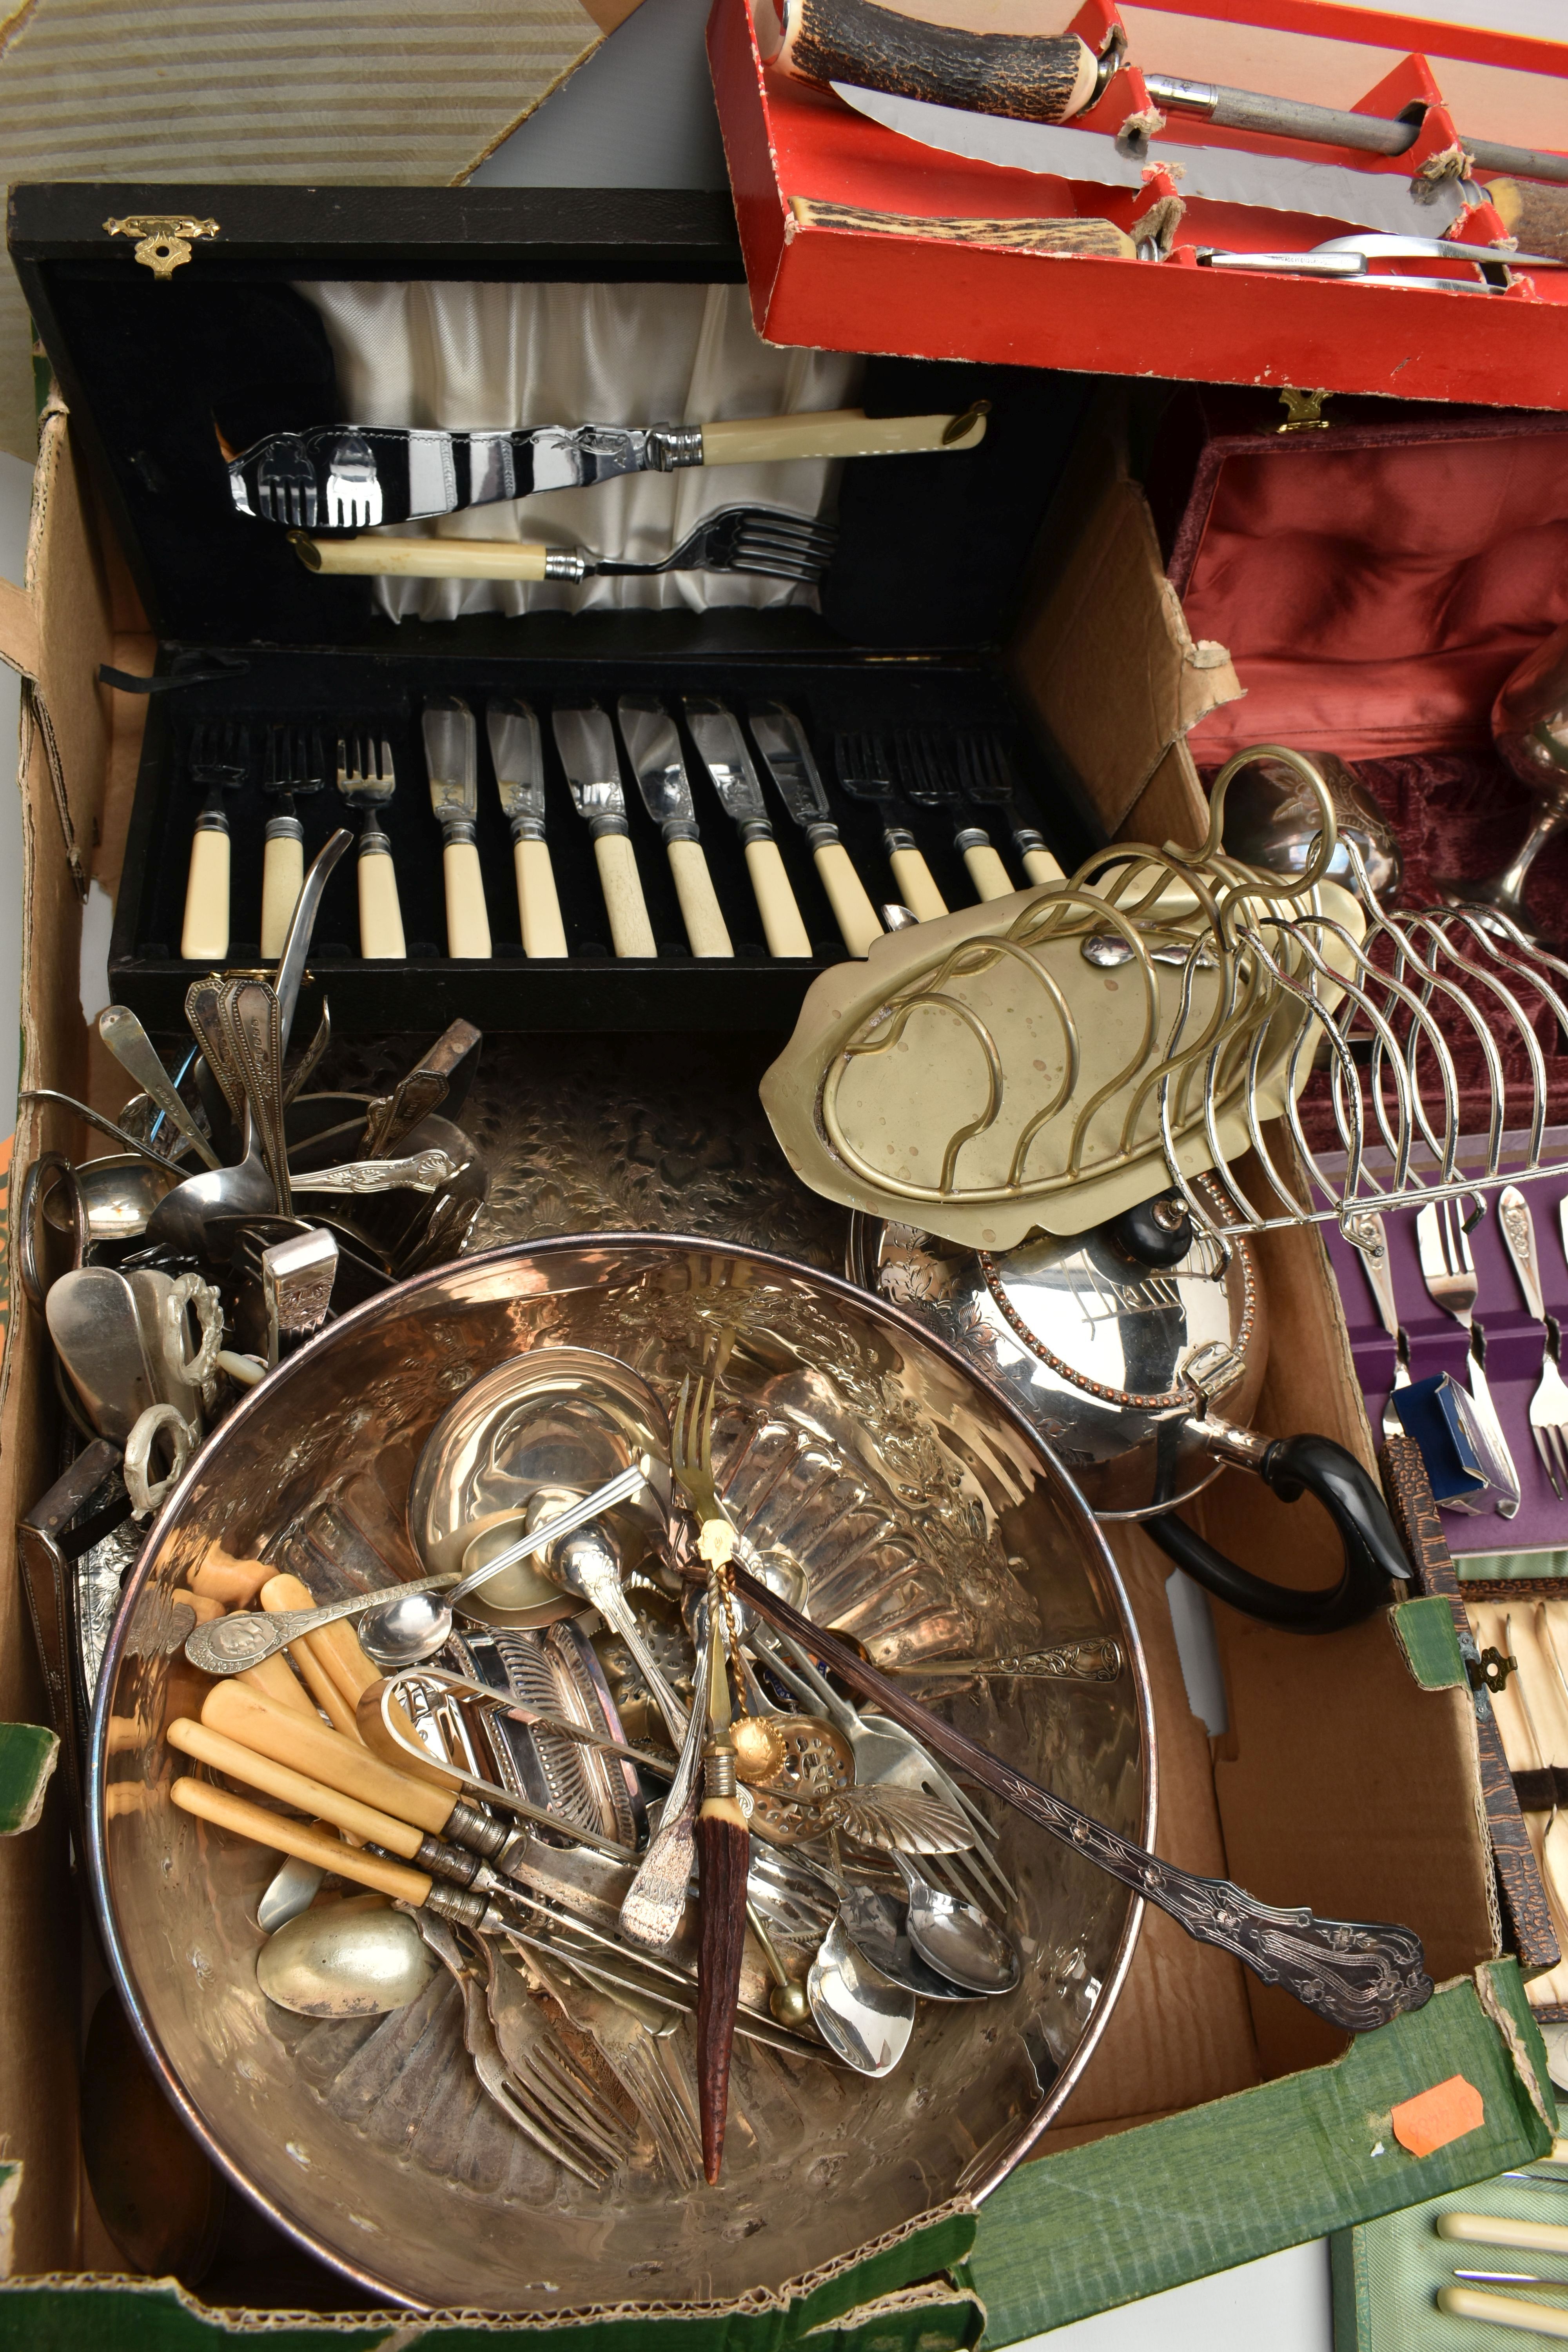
x: 1549, y: 1405
x: 1448, y: 1271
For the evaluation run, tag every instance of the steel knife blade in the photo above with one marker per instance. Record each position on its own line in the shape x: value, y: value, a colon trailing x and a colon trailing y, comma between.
x: 518, y: 758
x: 1283, y: 184
x: 781, y: 739
x: 721, y: 747
x: 451, y: 757
x: 586, y: 742
x: 653, y: 745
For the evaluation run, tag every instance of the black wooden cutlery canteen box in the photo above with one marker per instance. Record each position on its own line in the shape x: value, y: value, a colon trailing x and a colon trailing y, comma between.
x: 189, y: 329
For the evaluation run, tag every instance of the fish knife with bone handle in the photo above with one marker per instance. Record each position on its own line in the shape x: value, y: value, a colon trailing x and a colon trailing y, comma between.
x: 653, y: 746
x: 586, y: 740
x: 403, y: 474
x: 518, y: 757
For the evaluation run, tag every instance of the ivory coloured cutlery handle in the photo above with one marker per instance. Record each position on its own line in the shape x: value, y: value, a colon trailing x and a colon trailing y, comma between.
x: 1493, y: 2229
x: 631, y: 933
x: 275, y: 1679
x: 205, y: 931
x: 427, y: 558
x: 282, y: 879
x: 538, y: 906
x: 912, y: 876
x: 280, y: 1835
x: 468, y: 925
x: 380, y: 915
x: 333, y: 1666
x: 1504, y: 2310
x: 857, y: 919
x: 291, y: 1787
x: 833, y: 432
x: 1041, y: 867
x: 325, y: 1755
x: 782, y: 927
x: 705, y: 927
x: 986, y: 871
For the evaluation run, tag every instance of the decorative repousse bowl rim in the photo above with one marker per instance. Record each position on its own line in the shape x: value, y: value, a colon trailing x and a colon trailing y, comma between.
x: 389, y: 1303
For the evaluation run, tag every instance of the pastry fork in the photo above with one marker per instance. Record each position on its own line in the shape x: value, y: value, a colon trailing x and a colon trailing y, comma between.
x: 1448, y: 1271
x: 1549, y: 1405
x: 295, y: 765
x: 987, y: 776
x: 354, y: 487
x: 367, y: 779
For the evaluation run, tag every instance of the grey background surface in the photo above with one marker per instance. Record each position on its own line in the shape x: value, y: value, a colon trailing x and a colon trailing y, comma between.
x: 640, y: 114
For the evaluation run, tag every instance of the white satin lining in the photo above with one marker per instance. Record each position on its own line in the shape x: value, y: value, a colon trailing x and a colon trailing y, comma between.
x: 477, y: 358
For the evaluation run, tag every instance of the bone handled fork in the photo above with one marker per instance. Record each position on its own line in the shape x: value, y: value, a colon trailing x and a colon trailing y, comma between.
x: 1549, y: 1405
x: 1449, y: 1272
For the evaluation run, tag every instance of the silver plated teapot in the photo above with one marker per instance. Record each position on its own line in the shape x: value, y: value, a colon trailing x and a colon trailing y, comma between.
x: 1122, y: 1345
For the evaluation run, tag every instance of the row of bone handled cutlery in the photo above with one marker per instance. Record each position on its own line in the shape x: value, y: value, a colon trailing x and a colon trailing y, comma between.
x: 928, y: 780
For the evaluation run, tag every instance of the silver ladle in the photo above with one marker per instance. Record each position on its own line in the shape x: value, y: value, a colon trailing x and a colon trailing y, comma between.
x: 228, y: 1645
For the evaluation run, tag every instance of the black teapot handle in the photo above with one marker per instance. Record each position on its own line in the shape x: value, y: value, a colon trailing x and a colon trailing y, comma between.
x: 1374, y: 1555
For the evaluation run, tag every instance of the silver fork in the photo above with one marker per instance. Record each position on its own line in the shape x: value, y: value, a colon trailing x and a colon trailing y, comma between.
x: 761, y: 539
x: 527, y: 2076
x: 631, y: 2035
x: 1449, y: 1272
x: 286, y: 485
x: 366, y: 781
x: 354, y: 487
x: 1549, y: 1405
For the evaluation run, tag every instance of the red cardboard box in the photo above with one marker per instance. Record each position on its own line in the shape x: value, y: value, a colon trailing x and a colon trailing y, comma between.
x: 839, y: 287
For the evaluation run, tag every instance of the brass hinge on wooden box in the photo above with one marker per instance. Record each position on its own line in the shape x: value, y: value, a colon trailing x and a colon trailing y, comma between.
x: 164, y: 240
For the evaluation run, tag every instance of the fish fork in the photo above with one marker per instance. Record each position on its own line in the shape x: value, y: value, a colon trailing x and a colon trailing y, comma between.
x: 219, y: 761
x: 928, y: 775
x: 294, y: 766
x: 1549, y: 1405
x: 286, y: 486
x: 760, y: 539
x: 1448, y: 1271
x: 354, y: 487
x: 986, y: 773
x: 367, y: 779
x: 864, y: 776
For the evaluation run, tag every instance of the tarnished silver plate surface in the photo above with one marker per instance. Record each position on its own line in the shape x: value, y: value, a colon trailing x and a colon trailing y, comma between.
x: 928, y: 1519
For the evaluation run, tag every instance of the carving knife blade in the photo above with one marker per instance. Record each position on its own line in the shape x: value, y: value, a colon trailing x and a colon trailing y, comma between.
x: 721, y: 748
x: 653, y: 744
x: 586, y: 742
x: 517, y: 756
x: 1379, y: 200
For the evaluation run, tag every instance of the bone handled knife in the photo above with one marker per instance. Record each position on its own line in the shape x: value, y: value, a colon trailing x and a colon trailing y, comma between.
x: 518, y: 758
x: 414, y: 472
x: 587, y: 742
x: 653, y: 745
x: 451, y: 756
x: 721, y: 748
x: 780, y: 740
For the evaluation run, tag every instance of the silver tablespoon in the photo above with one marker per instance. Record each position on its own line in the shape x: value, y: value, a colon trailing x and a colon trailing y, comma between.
x: 955, y: 1938
x: 879, y: 1924
x: 863, y: 2018
x: 354, y: 1958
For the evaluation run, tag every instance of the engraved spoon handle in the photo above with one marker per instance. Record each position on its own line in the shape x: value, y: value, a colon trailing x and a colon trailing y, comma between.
x: 1518, y: 1234
x: 227, y: 1645
x: 1358, y: 1975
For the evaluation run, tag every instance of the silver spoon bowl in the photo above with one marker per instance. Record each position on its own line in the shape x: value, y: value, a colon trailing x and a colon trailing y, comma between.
x: 354, y: 1958
x: 955, y: 1938
x: 879, y: 1925
x: 863, y: 2018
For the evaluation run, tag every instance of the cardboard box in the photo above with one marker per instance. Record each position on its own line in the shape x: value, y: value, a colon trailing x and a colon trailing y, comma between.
x: 1217, y: 2119
x: 976, y: 286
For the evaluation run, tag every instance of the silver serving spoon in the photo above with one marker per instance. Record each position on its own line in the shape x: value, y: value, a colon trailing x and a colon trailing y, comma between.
x: 227, y: 1645
x: 354, y: 1958
x: 134, y: 1051
x: 880, y: 1926
x: 118, y: 1194
x: 955, y: 1938
x: 863, y: 2018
